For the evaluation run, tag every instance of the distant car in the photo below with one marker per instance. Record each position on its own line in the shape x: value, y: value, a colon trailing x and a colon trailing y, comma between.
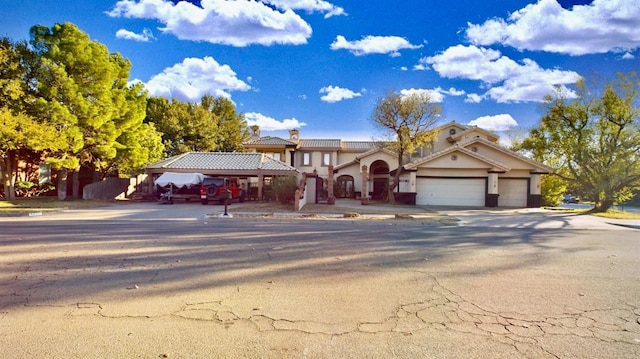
x: 570, y: 199
x: 215, y: 189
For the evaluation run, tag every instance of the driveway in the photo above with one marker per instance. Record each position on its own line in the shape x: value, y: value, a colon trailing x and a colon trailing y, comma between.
x: 149, y: 281
x: 492, y: 218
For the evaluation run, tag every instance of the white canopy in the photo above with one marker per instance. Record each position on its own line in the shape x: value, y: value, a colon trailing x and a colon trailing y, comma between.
x: 180, y: 179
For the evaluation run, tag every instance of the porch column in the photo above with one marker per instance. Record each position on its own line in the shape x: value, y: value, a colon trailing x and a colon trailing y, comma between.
x: 150, y: 187
x: 491, y: 200
x: 331, y: 197
x: 413, y: 187
x: 260, y: 185
x: 364, y: 196
x: 535, y: 183
x: 535, y: 195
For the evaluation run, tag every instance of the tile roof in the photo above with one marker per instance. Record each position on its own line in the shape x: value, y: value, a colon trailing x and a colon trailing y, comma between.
x: 358, y: 145
x: 320, y: 143
x: 270, y: 141
x: 222, y: 161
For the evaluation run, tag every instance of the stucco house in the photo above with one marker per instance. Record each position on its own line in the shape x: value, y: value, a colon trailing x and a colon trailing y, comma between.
x: 463, y: 166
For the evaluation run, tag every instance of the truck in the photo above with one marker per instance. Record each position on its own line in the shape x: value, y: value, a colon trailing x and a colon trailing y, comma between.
x: 221, y: 189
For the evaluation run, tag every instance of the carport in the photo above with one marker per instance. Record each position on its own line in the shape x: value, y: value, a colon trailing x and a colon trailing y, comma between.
x: 251, y: 167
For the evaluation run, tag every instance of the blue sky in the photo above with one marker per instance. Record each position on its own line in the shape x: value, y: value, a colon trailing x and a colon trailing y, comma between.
x: 320, y: 66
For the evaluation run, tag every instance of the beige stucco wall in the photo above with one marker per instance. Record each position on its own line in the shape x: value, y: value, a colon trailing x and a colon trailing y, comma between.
x: 380, y: 156
x: 344, y: 157
x: 462, y: 160
x: 316, y: 162
x: 441, y: 142
x: 353, y: 171
x: 509, y: 160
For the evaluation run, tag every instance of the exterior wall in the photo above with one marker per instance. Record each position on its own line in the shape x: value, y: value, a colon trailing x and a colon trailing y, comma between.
x: 344, y: 157
x: 316, y: 162
x: 353, y: 171
x: 441, y: 142
x: 512, y: 162
x: 516, y: 174
x: 473, y: 134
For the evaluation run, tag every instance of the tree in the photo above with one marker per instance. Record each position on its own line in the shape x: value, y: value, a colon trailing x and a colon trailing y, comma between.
x: 211, y: 125
x: 82, y: 89
x: 409, y: 123
x: 593, y: 141
x: 21, y: 135
x: 232, y: 126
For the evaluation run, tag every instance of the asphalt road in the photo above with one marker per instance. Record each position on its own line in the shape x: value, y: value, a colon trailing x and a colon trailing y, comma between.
x: 170, y: 281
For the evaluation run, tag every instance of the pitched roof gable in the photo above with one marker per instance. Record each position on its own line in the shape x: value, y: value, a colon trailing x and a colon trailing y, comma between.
x: 497, y: 147
x: 359, y: 157
x: 469, y: 130
x: 495, y: 164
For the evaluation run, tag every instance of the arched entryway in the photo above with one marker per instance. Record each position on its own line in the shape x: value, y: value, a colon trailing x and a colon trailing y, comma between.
x: 345, y: 187
x: 379, y: 175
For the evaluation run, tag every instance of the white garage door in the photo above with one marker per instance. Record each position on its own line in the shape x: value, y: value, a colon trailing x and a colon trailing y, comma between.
x: 513, y: 192
x: 451, y: 191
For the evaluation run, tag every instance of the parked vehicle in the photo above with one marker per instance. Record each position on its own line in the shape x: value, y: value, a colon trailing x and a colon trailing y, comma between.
x: 570, y: 199
x: 221, y: 189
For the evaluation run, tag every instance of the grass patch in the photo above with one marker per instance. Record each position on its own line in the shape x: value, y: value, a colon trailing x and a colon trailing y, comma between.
x: 614, y: 214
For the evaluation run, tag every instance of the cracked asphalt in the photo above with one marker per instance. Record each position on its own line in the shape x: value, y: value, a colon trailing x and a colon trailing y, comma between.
x: 150, y: 281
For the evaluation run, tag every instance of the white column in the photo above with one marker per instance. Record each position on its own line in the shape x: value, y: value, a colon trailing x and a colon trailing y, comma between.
x: 493, y: 183
x: 535, y: 183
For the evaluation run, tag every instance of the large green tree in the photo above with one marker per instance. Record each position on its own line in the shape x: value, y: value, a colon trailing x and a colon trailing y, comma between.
x: 21, y: 136
x: 593, y: 139
x: 232, y: 126
x: 82, y: 89
x: 211, y: 125
x: 408, y: 121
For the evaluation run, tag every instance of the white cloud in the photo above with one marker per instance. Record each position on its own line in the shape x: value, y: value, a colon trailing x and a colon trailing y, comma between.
x: 193, y: 78
x: 436, y: 95
x: 309, y: 6
x: 454, y: 92
x: 336, y: 94
x: 373, y: 45
x: 473, y: 98
x: 509, y: 80
x: 600, y: 27
x: 237, y: 23
x: 628, y: 56
x: 420, y: 67
x: 502, y: 122
x: 145, y: 36
x: 271, y: 124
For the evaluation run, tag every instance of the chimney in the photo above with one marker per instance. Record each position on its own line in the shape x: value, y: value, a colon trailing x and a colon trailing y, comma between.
x: 294, y: 135
x: 255, y: 132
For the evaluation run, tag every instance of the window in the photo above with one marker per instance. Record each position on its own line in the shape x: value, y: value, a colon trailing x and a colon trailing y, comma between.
x: 276, y: 156
x: 326, y: 159
x: 306, y: 159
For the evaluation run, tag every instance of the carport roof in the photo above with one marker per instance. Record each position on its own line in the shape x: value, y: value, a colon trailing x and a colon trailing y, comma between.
x: 223, y: 163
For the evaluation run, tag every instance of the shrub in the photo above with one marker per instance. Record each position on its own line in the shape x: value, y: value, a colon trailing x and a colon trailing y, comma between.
x: 285, y: 188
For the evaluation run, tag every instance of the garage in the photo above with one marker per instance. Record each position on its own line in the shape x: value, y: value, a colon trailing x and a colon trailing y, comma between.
x: 513, y: 192
x: 451, y: 191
